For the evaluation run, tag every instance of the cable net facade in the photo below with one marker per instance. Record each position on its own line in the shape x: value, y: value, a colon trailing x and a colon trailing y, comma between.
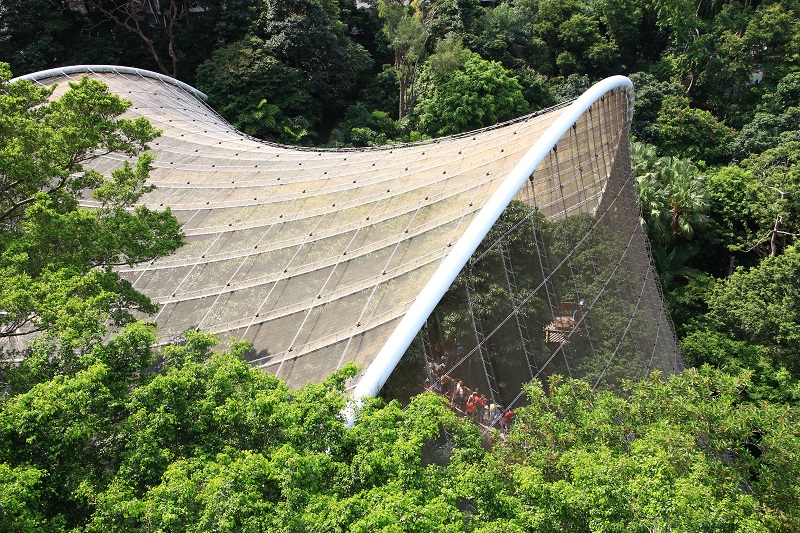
x: 562, y: 284
x: 316, y: 255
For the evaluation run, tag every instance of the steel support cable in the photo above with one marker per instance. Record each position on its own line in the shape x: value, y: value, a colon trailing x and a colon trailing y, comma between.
x: 624, y: 334
x: 307, y: 348
x: 322, y: 288
x: 577, y: 323
x: 642, y: 267
x: 169, y: 88
x: 189, y: 273
x: 594, y: 266
x: 554, y: 154
x: 649, y: 367
x: 606, y: 171
x: 486, y: 360
x: 396, y: 246
x: 664, y: 315
x: 541, y: 284
x: 463, y: 184
x: 472, y: 200
x: 430, y: 363
x: 493, y: 172
x: 522, y: 325
x: 323, y: 342
x: 544, y: 267
x: 597, y: 222
x: 332, y: 231
x: 500, y: 239
x: 339, y: 260
x: 477, y: 326
x: 285, y: 269
x: 541, y: 250
x: 513, y: 292
x: 408, y: 227
x: 430, y: 225
x: 242, y: 262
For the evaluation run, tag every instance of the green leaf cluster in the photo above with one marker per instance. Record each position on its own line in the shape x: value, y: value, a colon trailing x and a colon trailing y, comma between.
x: 58, y: 289
x: 212, y: 444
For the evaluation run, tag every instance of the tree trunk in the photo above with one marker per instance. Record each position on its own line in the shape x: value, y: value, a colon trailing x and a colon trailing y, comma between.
x: 398, y: 64
x: 773, y: 242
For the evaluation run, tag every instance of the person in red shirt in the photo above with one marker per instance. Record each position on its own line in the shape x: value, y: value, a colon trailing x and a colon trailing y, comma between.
x: 506, y: 420
x: 471, y: 406
x: 480, y: 407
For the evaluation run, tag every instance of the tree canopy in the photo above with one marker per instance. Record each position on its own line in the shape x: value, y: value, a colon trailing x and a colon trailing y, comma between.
x: 57, y: 257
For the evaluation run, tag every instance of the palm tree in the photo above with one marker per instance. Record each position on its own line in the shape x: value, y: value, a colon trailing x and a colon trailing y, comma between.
x: 671, y: 265
x: 674, y: 204
x: 672, y: 195
x: 688, y: 199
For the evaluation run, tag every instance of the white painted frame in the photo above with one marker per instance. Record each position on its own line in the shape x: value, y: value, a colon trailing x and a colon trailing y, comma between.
x: 85, y: 69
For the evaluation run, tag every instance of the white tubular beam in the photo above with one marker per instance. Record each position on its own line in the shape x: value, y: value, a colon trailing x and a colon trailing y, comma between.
x: 381, y: 368
x: 80, y: 69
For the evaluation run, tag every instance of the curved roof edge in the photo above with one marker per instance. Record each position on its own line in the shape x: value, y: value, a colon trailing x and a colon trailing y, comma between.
x: 387, y: 359
x: 79, y: 69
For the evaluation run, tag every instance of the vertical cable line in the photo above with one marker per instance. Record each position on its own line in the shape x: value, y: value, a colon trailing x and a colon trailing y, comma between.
x: 622, y: 337
x: 600, y: 218
x: 580, y: 320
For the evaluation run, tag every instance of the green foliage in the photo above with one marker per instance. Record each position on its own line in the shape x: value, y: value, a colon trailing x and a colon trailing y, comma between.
x: 504, y: 34
x: 672, y: 194
x: 581, y: 38
x: 752, y: 322
x: 308, y: 35
x: 254, y: 90
x: 650, y: 93
x: 693, y: 133
x: 571, y: 87
x: 478, y: 93
x: 674, y: 201
x: 56, y: 257
x: 760, y: 305
x: 682, y: 454
x: 212, y: 444
x: 756, y: 205
x: 90, y: 440
x: 767, y: 131
x: 535, y: 88
x: 19, y: 496
x: 40, y: 34
x: 369, y: 129
x: 404, y: 26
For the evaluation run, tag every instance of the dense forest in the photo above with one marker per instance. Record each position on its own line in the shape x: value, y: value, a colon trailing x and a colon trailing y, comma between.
x: 103, y: 432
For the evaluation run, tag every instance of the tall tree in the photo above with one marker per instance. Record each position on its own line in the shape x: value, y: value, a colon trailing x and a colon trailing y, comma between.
x: 256, y: 92
x: 672, y: 194
x: 404, y: 26
x: 756, y: 205
x: 133, y: 15
x: 753, y: 323
x: 462, y: 91
x: 56, y: 257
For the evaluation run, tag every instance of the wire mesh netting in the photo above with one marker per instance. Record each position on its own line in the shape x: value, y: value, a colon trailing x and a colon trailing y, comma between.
x: 315, y: 255
x: 563, y: 284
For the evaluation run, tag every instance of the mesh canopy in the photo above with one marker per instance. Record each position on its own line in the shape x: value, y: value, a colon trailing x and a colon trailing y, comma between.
x: 316, y: 255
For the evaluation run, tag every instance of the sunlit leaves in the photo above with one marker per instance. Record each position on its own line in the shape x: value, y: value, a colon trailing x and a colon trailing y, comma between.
x: 478, y: 93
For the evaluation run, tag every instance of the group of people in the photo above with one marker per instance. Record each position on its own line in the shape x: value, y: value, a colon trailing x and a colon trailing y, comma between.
x: 468, y: 402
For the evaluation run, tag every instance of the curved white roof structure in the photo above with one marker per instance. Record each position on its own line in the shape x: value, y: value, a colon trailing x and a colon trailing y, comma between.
x: 320, y: 257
